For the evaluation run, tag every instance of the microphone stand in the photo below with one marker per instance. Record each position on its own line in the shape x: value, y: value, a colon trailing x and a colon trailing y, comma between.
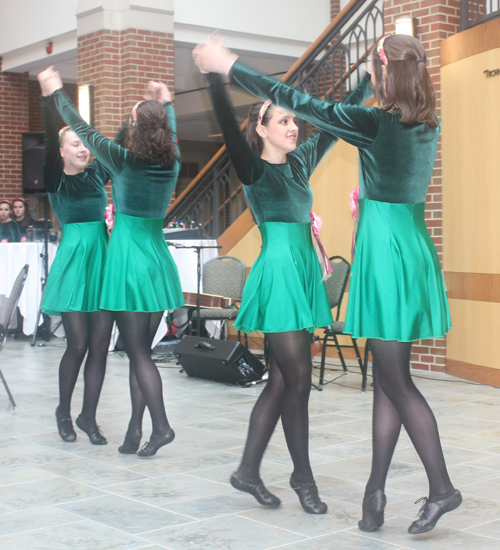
x: 45, y: 258
x: 197, y: 249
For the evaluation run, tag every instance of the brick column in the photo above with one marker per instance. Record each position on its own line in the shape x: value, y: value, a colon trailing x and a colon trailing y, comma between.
x: 437, y: 20
x: 119, y: 58
x: 14, y: 120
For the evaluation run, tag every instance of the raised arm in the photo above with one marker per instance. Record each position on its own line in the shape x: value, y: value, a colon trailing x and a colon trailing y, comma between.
x: 313, y: 149
x: 354, y: 124
x: 52, y: 161
x: 249, y: 167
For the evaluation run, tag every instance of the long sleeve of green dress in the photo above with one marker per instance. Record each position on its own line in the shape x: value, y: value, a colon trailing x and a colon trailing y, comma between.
x: 396, y: 160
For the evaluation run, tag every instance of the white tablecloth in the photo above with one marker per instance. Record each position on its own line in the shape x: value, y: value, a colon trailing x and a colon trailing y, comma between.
x: 186, y: 260
x: 13, y: 257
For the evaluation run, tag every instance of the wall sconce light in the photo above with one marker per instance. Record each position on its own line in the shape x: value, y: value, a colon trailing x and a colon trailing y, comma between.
x: 406, y: 25
x: 86, y: 102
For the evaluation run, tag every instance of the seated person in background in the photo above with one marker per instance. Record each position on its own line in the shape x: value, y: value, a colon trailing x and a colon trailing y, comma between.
x: 9, y: 229
x: 22, y: 216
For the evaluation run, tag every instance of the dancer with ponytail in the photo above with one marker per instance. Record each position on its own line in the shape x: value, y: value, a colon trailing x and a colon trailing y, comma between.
x: 397, y: 293
x: 140, y: 278
x: 284, y: 296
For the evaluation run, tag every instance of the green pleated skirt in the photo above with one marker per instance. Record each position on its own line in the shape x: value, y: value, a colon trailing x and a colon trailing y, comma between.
x: 75, y: 276
x: 397, y: 289
x: 140, y: 274
x: 284, y: 290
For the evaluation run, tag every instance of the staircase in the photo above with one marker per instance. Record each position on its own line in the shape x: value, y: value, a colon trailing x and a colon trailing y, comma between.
x: 329, y: 69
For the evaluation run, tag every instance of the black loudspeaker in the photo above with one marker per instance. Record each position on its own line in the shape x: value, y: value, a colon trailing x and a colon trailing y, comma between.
x: 219, y: 360
x: 33, y: 147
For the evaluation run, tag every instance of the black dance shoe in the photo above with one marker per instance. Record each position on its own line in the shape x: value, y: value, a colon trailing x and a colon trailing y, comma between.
x: 65, y: 428
x: 309, y: 497
x: 432, y: 510
x: 262, y: 495
x: 94, y: 432
x: 130, y: 443
x: 373, y: 511
x: 155, y: 442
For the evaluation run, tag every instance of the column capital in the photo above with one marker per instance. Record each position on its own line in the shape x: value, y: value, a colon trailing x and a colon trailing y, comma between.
x: 118, y: 15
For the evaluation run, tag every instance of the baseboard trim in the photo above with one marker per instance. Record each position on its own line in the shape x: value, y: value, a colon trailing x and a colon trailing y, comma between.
x: 474, y: 373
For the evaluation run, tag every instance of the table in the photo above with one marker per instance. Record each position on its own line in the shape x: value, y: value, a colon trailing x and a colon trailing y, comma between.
x: 13, y: 257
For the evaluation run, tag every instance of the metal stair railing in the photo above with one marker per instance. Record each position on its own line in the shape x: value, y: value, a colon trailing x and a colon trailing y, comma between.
x: 329, y: 69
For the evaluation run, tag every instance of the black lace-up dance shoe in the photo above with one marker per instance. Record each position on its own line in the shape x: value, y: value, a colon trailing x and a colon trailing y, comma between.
x: 373, y: 511
x: 155, y: 442
x: 65, y: 427
x: 130, y: 443
x: 94, y: 432
x: 309, y: 497
x: 258, y: 490
x: 432, y: 509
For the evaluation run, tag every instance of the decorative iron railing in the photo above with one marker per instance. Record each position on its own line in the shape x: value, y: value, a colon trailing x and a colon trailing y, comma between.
x: 475, y: 12
x: 329, y: 69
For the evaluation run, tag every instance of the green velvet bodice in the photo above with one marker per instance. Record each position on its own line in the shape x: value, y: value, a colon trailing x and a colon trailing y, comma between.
x: 275, y: 192
x: 10, y: 232
x: 139, y: 188
x: 75, y: 199
x: 396, y: 160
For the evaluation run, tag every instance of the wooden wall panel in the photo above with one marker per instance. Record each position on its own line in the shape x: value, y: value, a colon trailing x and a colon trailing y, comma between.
x: 471, y: 165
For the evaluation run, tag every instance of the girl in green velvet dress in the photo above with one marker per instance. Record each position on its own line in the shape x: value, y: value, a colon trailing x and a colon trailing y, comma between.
x: 397, y: 293
x: 9, y: 228
x: 284, y: 296
x: 140, y: 277
x: 78, y: 198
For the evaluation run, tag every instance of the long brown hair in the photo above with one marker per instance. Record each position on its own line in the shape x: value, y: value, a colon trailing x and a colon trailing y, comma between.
x: 150, y: 137
x: 408, y: 87
x: 253, y: 138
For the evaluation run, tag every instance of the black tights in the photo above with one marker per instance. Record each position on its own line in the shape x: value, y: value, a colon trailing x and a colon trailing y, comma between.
x: 84, y: 331
x: 397, y: 402
x: 138, y: 330
x: 287, y: 395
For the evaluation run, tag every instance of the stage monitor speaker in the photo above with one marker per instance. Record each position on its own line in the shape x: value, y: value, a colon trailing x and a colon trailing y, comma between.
x: 33, y: 147
x: 219, y: 360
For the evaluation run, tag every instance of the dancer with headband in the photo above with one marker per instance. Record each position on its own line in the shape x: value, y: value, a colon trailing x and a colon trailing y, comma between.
x: 284, y: 296
x: 9, y: 228
x: 397, y: 293
x: 78, y: 198
x: 140, y: 278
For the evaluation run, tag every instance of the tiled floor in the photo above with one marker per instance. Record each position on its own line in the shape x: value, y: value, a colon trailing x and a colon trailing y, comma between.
x: 56, y: 495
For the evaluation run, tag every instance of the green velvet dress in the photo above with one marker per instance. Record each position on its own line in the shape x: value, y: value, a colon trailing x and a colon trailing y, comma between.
x: 284, y: 290
x: 10, y: 232
x: 79, y: 201
x: 397, y: 289
x: 140, y: 274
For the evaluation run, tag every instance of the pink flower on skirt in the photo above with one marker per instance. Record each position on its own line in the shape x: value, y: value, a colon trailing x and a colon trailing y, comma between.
x: 109, y: 217
x: 354, y: 202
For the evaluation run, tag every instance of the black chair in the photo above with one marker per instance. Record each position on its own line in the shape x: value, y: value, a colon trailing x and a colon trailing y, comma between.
x: 222, y: 276
x: 10, y: 311
x: 335, y: 288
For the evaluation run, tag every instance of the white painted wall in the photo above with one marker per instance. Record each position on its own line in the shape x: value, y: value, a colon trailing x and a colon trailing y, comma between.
x: 297, y: 20
x: 265, y: 24
x: 25, y: 22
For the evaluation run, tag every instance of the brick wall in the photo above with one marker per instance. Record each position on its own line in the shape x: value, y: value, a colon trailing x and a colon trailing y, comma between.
x: 14, y: 120
x: 437, y: 20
